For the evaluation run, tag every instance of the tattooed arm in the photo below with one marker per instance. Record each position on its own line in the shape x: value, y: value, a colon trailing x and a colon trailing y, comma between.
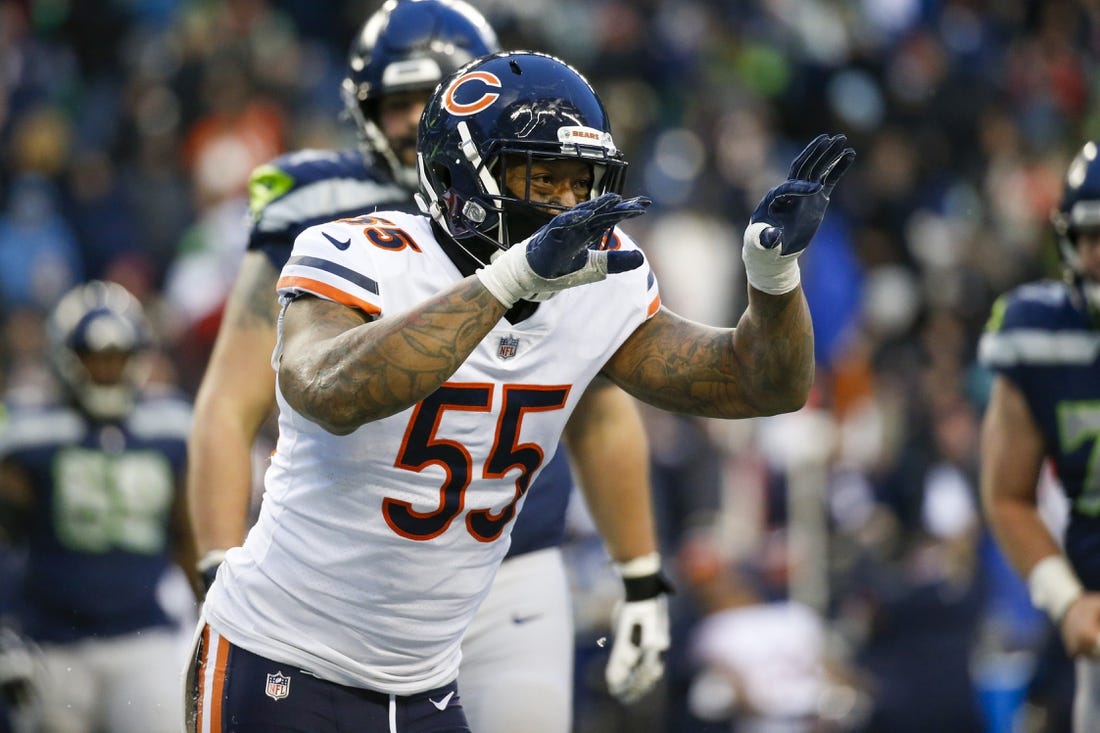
x: 342, y: 371
x: 763, y: 367
x: 766, y: 365
x: 236, y: 395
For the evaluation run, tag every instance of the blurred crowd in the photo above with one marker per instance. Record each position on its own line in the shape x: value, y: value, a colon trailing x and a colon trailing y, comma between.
x: 128, y: 129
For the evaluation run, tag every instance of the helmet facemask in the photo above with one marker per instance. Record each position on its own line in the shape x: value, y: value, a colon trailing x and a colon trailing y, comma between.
x: 499, y: 216
x: 103, y: 400
x: 1078, y: 213
x: 99, y: 335
x: 521, y: 213
x: 1083, y: 216
x: 407, y: 47
x: 517, y: 108
x: 365, y: 112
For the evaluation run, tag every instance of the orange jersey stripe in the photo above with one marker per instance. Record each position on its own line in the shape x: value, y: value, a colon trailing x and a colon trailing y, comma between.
x: 219, y: 683
x: 335, y: 294
x: 212, y: 674
x: 654, y: 305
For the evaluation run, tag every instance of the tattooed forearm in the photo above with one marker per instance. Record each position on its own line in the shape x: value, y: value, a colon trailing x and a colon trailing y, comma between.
x: 372, y: 370
x: 679, y: 366
x: 777, y: 336
x: 763, y: 367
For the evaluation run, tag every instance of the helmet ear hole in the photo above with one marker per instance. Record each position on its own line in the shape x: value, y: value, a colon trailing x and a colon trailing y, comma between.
x: 442, y: 175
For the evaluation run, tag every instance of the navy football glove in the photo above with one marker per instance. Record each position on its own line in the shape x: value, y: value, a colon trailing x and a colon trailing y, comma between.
x: 789, y: 215
x: 563, y: 253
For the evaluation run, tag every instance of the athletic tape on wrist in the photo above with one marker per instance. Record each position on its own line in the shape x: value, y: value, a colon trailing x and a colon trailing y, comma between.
x: 500, y: 283
x: 1054, y: 586
x: 766, y: 269
x: 211, y: 559
x: 640, y: 566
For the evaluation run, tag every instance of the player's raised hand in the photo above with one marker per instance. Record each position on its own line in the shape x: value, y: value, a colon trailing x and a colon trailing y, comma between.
x: 563, y: 254
x: 789, y: 215
x: 793, y: 210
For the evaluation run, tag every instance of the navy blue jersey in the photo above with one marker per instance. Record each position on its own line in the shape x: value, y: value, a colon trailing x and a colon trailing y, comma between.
x: 99, y: 536
x: 1042, y: 339
x: 298, y: 190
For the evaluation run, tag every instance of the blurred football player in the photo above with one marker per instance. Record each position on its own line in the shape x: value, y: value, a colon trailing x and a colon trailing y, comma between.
x: 518, y: 655
x: 428, y: 366
x: 92, y: 488
x: 1043, y: 344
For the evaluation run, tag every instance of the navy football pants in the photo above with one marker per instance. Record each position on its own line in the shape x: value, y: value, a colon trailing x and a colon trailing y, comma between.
x: 231, y: 690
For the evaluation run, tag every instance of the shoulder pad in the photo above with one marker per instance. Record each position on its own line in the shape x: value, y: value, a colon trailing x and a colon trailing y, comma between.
x: 1035, y: 325
x: 1047, y: 304
x: 40, y: 426
x: 273, y: 180
x: 161, y: 415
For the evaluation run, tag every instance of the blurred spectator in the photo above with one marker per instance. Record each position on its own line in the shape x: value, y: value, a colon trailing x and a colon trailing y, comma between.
x: 923, y: 585
x: 38, y: 255
x: 91, y: 490
x: 763, y: 665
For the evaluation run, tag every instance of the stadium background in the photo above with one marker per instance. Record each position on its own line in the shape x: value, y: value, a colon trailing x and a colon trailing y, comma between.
x: 128, y: 128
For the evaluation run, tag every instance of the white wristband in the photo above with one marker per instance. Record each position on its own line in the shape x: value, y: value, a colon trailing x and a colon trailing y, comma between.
x: 509, y: 276
x: 1054, y: 586
x: 210, y: 560
x: 766, y: 269
x: 502, y: 280
x: 640, y: 567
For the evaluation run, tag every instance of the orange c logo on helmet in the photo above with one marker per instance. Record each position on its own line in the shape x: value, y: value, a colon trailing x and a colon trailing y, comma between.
x: 484, y: 101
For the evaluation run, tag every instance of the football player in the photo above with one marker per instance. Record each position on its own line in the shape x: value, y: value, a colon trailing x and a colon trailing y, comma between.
x: 92, y: 485
x: 1043, y: 343
x: 517, y: 667
x: 428, y: 366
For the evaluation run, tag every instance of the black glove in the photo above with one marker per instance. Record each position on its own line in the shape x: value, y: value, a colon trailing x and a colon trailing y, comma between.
x: 16, y: 666
x: 207, y: 568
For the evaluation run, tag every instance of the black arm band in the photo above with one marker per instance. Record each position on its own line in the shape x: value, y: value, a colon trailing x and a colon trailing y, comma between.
x: 207, y: 576
x: 646, y: 587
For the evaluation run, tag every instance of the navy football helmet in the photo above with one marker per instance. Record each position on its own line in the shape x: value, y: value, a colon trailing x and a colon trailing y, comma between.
x: 408, y: 45
x: 1079, y: 210
x: 99, y: 318
x: 512, y: 106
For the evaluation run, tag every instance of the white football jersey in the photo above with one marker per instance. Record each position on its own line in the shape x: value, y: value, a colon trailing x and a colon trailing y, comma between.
x: 373, y: 550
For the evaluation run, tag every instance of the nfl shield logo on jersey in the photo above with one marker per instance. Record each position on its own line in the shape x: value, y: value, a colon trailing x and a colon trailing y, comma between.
x: 507, y: 347
x: 278, y: 685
